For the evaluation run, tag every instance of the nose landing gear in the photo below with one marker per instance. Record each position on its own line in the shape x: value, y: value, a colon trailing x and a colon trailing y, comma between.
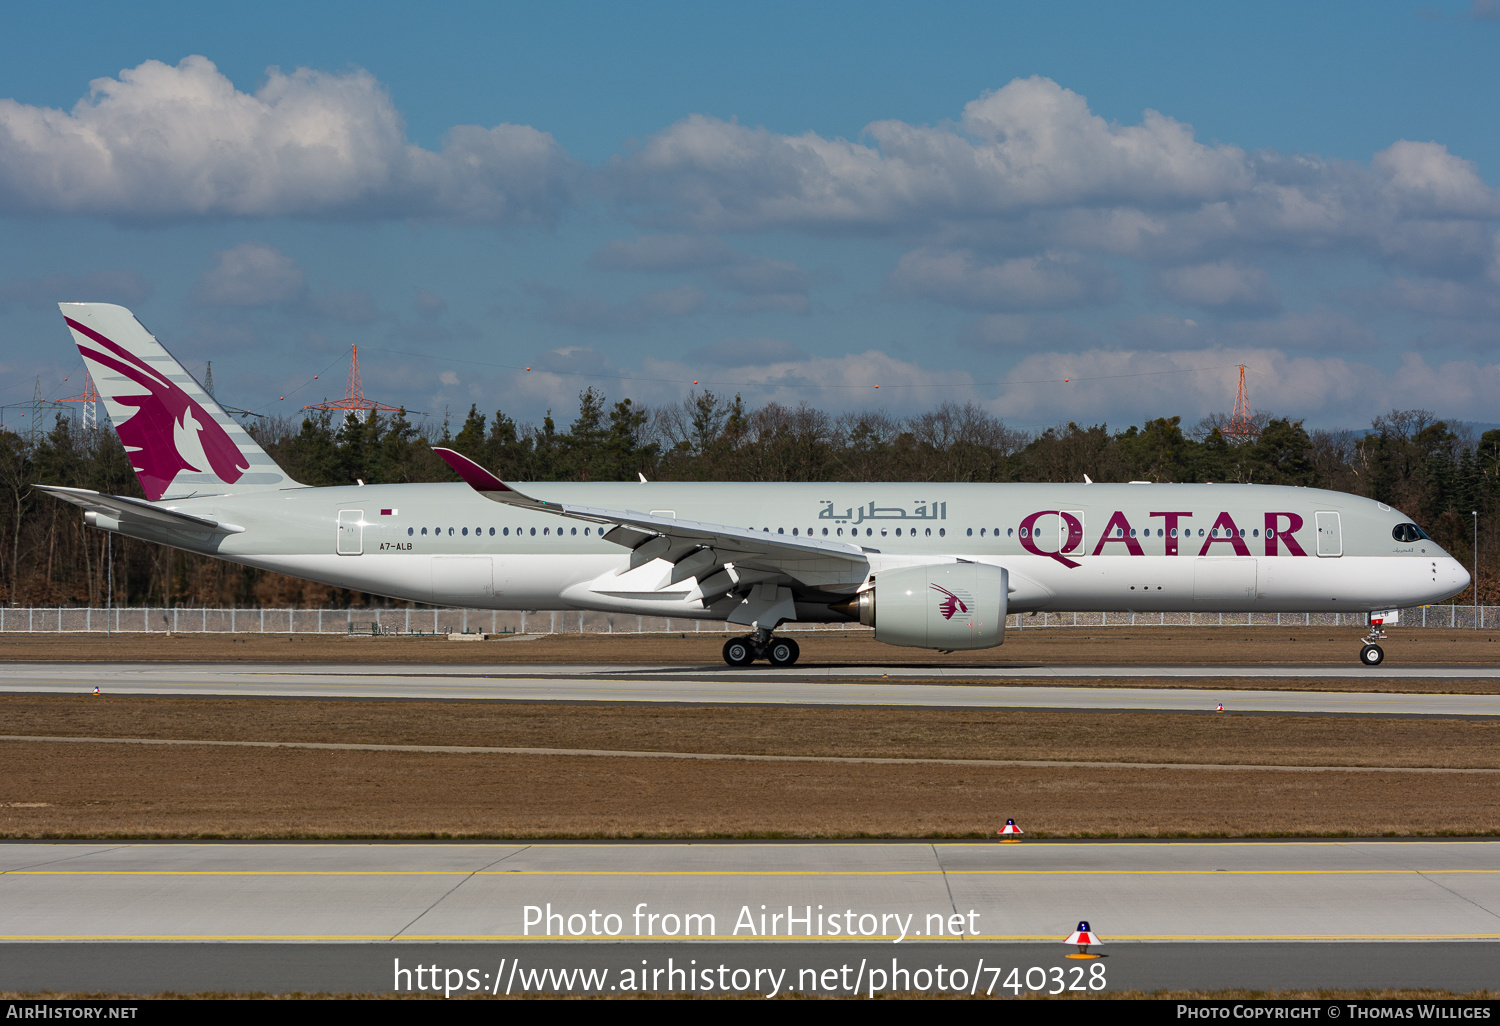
x: 1372, y: 654
x: 760, y: 645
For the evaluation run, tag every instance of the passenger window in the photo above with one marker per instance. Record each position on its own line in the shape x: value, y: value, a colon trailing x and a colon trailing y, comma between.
x: 573, y: 530
x: 898, y: 532
x: 929, y: 532
x: 424, y: 532
x: 942, y: 532
x: 533, y: 532
x: 450, y: 532
x: 825, y: 532
x: 970, y: 532
x: 410, y: 531
x: 505, y: 531
x: 794, y: 532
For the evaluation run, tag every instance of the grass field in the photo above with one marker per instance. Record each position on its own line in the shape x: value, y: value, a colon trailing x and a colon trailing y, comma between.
x: 56, y: 789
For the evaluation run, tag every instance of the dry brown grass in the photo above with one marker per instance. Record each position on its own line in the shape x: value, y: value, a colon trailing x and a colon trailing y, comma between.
x: 113, y: 790
x: 777, y: 730
x: 1069, y: 646
x: 147, y: 792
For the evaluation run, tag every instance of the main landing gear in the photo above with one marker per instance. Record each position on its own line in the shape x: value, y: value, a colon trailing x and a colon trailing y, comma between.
x: 1372, y: 654
x: 760, y: 645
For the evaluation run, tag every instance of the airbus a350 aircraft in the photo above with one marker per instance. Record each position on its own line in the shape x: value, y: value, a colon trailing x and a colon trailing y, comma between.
x: 927, y: 565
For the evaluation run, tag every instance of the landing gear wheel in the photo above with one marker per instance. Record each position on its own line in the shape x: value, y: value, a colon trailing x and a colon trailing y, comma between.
x: 739, y: 652
x: 1372, y: 655
x: 783, y: 652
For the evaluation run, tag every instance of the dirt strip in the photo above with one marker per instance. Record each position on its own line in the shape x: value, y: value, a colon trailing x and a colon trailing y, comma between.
x: 139, y: 791
x: 734, y: 757
x: 885, y: 733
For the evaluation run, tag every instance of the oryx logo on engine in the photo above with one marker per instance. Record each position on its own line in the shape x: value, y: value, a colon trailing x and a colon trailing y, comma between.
x: 952, y: 604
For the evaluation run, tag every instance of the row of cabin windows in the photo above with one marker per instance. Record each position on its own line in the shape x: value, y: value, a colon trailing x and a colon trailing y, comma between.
x: 464, y: 531
x: 869, y: 532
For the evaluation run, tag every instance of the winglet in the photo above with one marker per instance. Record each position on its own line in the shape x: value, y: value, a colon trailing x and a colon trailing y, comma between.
x: 482, y: 481
x: 474, y: 475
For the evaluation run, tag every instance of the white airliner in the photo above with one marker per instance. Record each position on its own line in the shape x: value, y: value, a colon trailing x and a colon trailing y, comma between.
x: 928, y: 565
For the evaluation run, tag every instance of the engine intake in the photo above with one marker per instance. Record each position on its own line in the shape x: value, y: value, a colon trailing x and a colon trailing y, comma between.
x: 941, y: 605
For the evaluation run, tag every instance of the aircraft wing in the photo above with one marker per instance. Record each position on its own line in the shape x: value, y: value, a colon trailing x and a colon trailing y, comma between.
x: 121, y: 507
x: 695, y: 549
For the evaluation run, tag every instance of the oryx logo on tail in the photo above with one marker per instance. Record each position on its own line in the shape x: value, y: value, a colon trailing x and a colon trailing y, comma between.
x: 169, y: 432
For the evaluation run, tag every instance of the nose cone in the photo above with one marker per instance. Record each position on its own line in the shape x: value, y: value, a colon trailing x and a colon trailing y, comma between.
x: 1457, y: 577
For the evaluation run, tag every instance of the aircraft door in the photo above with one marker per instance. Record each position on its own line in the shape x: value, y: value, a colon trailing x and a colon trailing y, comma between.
x: 351, y: 532
x: 1330, y: 534
x: 1071, y: 542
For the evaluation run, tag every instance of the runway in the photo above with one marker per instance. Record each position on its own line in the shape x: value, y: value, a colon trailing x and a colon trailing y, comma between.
x: 654, y: 684
x: 1293, y: 910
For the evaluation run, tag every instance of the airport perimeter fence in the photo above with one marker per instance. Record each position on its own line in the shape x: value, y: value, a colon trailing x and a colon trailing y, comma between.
x: 430, y: 622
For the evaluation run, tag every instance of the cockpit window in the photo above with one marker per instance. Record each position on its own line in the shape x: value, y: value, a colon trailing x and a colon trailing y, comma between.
x: 1407, y: 533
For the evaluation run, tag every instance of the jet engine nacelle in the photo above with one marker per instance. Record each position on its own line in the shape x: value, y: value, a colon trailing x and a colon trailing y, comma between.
x: 941, y: 605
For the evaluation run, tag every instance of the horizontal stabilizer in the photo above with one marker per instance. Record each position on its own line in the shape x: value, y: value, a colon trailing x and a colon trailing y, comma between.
x: 121, y: 507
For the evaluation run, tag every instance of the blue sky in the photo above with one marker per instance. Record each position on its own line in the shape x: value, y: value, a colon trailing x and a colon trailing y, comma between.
x: 966, y: 202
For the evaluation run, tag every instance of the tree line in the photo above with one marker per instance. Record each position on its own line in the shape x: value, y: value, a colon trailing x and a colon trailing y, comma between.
x: 1434, y: 471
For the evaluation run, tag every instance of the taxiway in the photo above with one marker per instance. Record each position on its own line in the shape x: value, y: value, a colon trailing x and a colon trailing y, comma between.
x: 818, y: 687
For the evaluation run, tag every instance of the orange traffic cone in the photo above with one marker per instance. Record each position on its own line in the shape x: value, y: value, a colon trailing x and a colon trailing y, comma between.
x: 1083, y: 937
x: 1010, y: 833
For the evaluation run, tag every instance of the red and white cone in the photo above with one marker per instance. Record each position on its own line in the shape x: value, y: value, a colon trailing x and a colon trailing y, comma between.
x: 1083, y: 937
x: 96, y: 689
x: 1220, y: 708
x: 1010, y: 833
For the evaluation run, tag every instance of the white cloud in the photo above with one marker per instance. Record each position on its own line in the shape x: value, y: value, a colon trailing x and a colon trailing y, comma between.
x: 1010, y: 331
x: 252, y: 274
x: 1225, y: 285
x: 167, y: 142
x: 1031, y: 143
x: 1426, y: 178
x: 1029, y: 169
x: 1045, y: 282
